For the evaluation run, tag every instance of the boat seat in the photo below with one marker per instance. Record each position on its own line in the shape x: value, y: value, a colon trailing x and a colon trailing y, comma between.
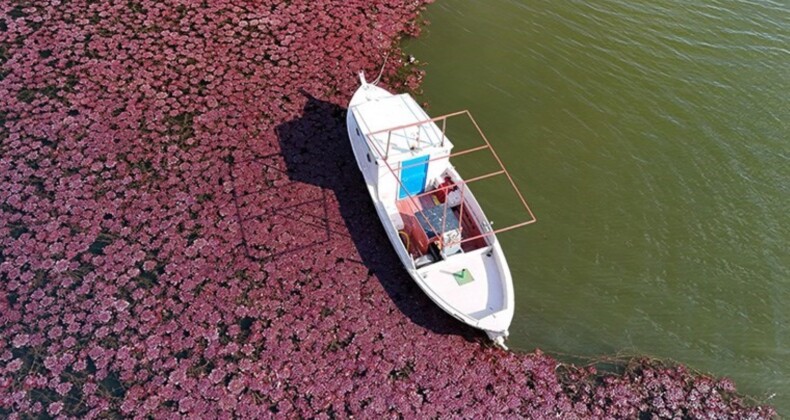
x: 423, y: 261
x: 397, y: 220
x: 394, y: 215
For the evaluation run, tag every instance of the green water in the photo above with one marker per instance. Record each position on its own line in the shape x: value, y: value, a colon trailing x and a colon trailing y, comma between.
x: 652, y: 141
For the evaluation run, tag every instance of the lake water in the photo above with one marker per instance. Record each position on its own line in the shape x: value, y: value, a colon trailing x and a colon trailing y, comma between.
x: 652, y: 141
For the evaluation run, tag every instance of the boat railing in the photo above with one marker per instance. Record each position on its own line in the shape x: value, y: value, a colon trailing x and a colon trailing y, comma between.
x: 442, y: 118
x: 384, y: 155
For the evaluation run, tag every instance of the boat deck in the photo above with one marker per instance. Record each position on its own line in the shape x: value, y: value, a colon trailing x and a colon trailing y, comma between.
x: 477, y: 298
x: 381, y: 114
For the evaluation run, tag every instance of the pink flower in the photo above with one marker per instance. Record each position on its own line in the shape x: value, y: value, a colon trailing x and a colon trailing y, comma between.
x: 14, y: 365
x: 63, y: 388
x: 104, y: 317
x: 55, y: 408
x: 55, y: 332
x: 69, y: 341
x: 127, y: 406
x: 121, y: 305
x: 61, y: 266
x: 236, y: 385
x: 21, y: 340
x: 89, y: 388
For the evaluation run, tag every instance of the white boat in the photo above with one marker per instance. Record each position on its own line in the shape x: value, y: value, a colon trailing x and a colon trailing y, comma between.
x: 433, y: 220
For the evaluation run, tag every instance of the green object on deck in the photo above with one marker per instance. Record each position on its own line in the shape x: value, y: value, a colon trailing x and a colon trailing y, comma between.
x: 464, y: 276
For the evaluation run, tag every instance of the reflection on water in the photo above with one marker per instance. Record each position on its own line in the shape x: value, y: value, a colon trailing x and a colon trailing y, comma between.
x: 651, y: 139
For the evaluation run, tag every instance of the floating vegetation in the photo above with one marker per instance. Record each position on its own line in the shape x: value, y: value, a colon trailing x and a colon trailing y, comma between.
x: 135, y: 139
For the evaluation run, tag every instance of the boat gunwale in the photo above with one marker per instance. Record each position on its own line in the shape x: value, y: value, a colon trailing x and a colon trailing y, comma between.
x: 494, y: 324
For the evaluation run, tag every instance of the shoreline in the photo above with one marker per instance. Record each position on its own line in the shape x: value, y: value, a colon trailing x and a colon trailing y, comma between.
x: 185, y: 232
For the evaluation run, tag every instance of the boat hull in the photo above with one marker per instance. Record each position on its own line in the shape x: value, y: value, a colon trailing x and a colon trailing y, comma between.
x: 492, y: 314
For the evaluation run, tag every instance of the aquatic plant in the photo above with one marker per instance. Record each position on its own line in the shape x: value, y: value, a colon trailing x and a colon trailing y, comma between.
x: 169, y: 245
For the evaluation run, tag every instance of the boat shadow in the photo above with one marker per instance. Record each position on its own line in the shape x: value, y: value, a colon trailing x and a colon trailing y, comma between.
x: 316, y: 151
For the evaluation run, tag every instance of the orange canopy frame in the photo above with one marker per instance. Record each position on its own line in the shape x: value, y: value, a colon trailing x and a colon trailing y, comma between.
x: 383, y: 155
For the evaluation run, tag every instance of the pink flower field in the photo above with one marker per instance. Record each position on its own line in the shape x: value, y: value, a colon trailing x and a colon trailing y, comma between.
x: 184, y: 232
